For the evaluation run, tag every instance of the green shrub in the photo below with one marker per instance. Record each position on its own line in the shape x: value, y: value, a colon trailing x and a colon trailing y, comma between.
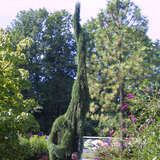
x: 32, y: 148
x: 38, y: 144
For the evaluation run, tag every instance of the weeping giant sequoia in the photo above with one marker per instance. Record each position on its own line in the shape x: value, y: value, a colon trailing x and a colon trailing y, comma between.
x: 67, y: 130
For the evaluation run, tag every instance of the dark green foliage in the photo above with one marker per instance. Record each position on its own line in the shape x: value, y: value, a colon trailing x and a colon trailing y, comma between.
x: 50, y: 60
x: 67, y: 130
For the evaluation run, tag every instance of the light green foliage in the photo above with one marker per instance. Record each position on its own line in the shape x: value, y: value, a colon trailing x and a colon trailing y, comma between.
x: 14, y: 116
x: 154, y: 68
x: 120, y: 45
x: 67, y: 130
x: 33, y: 147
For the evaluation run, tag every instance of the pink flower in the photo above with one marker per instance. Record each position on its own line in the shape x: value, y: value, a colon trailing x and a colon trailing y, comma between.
x: 124, y: 107
x: 134, y: 120
x: 146, y: 126
x: 145, y: 90
x: 149, y: 122
x: 105, y: 145
x: 112, y: 132
x: 150, y: 89
x: 130, y: 96
x: 131, y: 116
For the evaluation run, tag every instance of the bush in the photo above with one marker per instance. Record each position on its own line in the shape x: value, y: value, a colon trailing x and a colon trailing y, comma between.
x: 32, y: 148
x: 142, y: 129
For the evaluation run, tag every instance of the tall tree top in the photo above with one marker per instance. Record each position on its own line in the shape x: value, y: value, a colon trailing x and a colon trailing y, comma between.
x: 76, y: 21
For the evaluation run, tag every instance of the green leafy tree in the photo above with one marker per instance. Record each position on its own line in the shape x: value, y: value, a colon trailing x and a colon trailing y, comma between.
x: 50, y: 60
x: 67, y: 130
x: 14, y: 109
x: 118, y: 63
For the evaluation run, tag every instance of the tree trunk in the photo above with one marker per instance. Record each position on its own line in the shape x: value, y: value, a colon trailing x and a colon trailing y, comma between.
x: 122, y: 123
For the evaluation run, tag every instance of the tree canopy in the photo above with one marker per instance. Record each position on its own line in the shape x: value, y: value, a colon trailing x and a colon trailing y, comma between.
x: 50, y: 60
x: 121, y: 58
x: 15, y: 117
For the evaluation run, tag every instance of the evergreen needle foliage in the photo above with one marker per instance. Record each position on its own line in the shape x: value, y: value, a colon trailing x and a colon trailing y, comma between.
x: 67, y: 130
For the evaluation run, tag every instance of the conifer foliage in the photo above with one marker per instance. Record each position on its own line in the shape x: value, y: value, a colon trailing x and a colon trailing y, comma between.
x: 118, y: 63
x: 67, y: 130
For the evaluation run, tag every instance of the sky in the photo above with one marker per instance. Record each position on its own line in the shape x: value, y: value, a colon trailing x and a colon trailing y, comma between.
x: 89, y: 8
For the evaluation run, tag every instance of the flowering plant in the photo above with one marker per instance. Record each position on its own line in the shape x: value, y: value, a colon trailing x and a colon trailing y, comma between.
x: 145, y: 113
x: 142, y: 123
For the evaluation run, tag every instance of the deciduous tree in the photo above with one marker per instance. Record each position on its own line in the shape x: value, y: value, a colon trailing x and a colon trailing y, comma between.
x: 50, y: 60
x: 15, y: 117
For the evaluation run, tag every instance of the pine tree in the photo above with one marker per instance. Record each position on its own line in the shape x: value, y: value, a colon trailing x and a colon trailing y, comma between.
x: 67, y: 130
x: 116, y: 66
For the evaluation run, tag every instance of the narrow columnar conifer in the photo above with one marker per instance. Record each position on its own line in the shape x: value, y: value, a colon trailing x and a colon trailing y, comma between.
x: 67, y: 130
